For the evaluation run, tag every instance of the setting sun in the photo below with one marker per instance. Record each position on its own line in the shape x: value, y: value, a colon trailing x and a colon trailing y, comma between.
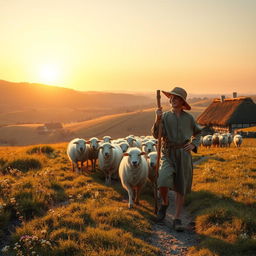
x: 49, y: 74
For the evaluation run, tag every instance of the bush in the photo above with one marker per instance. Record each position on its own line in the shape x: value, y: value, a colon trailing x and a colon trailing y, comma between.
x: 40, y: 149
x: 25, y: 165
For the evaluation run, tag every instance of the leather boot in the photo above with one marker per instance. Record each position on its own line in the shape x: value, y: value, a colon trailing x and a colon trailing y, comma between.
x: 161, y: 213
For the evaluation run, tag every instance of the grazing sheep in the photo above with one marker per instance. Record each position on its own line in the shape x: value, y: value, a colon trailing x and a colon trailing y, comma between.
x: 77, y: 151
x: 93, y: 151
x: 133, y: 172
x: 207, y: 141
x: 148, y: 147
x: 109, y: 160
x: 238, y: 140
x: 133, y: 142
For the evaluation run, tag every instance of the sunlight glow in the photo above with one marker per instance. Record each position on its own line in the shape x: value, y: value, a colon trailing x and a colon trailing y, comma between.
x: 49, y: 74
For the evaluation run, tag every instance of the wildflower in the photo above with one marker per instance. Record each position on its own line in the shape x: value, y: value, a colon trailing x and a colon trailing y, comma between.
x: 6, y: 248
x: 33, y: 253
x: 48, y: 243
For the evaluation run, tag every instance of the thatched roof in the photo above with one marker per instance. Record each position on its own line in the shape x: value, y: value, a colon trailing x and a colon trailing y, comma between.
x: 240, y: 110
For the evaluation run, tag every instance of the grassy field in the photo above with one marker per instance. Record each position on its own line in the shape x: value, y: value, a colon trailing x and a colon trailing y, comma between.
x: 46, y: 209
x: 223, y: 201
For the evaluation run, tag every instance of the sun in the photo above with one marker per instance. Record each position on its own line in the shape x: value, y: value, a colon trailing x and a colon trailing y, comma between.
x: 49, y: 73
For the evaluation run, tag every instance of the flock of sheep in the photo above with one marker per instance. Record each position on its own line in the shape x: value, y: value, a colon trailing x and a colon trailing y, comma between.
x: 221, y: 140
x: 133, y: 159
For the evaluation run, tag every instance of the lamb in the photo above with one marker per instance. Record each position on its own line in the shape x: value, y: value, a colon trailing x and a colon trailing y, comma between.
x: 238, y: 140
x: 109, y: 157
x: 77, y: 151
x: 152, y: 159
x: 93, y: 151
x: 133, y: 172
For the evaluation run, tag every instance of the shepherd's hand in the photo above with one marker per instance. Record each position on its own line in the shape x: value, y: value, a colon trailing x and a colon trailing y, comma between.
x: 188, y: 147
x: 159, y: 113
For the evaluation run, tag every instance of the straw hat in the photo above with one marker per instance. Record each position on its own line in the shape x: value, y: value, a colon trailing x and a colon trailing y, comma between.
x: 178, y: 91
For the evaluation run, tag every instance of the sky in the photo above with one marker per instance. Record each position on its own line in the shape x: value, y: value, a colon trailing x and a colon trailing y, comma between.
x: 204, y: 46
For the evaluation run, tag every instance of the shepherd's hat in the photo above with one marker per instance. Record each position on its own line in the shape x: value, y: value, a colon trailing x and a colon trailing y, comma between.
x: 178, y: 91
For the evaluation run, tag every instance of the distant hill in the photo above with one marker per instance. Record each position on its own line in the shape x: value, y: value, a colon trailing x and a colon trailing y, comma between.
x: 32, y: 103
x: 115, y: 125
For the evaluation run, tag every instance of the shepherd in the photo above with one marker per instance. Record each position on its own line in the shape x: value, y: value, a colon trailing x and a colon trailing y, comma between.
x: 180, y: 135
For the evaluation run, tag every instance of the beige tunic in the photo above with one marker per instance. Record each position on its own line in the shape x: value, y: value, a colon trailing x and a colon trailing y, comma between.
x: 176, y: 168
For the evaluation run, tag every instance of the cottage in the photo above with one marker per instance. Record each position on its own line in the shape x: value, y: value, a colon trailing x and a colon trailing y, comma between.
x: 226, y: 115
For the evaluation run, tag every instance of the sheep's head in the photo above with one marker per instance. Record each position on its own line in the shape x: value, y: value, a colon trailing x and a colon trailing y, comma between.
x: 152, y: 159
x: 107, y: 150
x: 94, y: 143
x: 134, y: 156
x: 81, y: 145
x: 124, y: 146
x: 149, y: 146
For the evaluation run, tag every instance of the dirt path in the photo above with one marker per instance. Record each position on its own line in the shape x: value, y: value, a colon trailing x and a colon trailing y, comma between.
x: 169, y: 241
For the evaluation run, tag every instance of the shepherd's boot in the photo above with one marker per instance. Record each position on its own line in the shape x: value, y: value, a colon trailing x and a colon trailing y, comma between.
x: 161, y: 213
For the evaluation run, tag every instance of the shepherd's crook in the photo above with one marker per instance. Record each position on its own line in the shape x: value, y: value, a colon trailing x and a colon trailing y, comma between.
x: 159, y: 145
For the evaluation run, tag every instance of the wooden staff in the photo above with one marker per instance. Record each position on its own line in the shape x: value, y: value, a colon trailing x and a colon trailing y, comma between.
x: 159, y: 145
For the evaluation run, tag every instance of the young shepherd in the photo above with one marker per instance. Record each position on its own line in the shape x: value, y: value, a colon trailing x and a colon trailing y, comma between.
x: 110, y: 156
x: 133, y: 172
x: 77, y: 151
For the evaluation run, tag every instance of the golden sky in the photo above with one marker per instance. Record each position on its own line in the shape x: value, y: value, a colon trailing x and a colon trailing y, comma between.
x: 205, y: 46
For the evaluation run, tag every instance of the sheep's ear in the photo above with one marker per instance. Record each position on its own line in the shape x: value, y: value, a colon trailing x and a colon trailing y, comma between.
x: 143, y: 144
x: 100, y: 147
x: 142, y: 153
x: 75, y: 142
x: 87, y: 142
x: 125, y: 154
x: 112, y: 147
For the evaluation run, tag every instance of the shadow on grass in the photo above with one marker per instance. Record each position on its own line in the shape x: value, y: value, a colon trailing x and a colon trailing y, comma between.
x: 226, y: 227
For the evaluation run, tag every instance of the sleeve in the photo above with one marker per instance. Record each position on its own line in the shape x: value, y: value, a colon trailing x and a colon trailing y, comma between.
x: 197, y: 131
x: 155, y: 128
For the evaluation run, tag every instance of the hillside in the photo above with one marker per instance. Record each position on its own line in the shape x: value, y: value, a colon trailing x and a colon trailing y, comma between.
x: 33, y: 103
x: 116, y: 125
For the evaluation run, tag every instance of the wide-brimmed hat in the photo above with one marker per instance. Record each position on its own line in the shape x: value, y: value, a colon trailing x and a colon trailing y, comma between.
x: 178, y: 91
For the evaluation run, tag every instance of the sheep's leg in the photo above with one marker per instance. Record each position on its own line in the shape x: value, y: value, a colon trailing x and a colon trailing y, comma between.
x: 108, y: 179
x: 76, y: 168
x: 130, y: 195
x: 137, y: 194
x: 73, y: 168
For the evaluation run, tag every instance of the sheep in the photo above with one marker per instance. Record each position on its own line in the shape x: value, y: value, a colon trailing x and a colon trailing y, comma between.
x: 77, y: 151
x: 133, y: 173
x: 237, y: 140
x: 109, y: 159
x: 152, y: 159
x: 207, y: 141
x: 230, y: 139
x: 107, y: 139
x: 93, y: 151
x: 223, y: 140
x: 215, y: 140
x: 124, y: 146
x: 133, y: 142
x: 148, y: 147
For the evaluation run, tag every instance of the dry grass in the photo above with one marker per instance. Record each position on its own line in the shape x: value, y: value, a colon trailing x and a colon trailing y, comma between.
x: 53, y: 211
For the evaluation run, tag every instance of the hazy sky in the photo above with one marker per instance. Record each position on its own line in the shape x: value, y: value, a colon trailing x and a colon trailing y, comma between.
x: 135, y: 45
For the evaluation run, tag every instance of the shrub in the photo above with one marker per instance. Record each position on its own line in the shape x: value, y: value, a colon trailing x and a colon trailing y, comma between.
x: 25, y: 165
x: 40, y: 149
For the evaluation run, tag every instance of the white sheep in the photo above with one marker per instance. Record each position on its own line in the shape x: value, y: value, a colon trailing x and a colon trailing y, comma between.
x: 215, y: 140
x: 124, y: 146
x: 93, y: 151
x: 109, y: 159
x: 107, y: 139
x: 77, y: 151
x: 207, y: 141
x: 152, y: 159
x: 133, y: 172
x: 238, y: 140
x: 148, y: 146
x: 230, y: 138
x: 223, y: 140
x: 133, y: 142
